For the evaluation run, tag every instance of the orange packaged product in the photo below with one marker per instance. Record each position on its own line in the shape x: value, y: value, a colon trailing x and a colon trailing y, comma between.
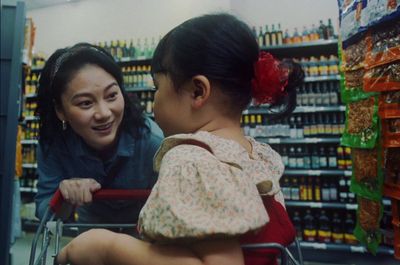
x: 383, y: 44
x: 382, y: 78
x: 389, y: 104
x: 391, y: 132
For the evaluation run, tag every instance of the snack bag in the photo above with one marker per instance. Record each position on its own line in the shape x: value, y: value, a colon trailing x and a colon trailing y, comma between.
x: 353, y: 56
x: 367, y: 177
x: 389, y: 104
x: 352, y: 87
x: 392, y: 166
x: 383, y: 44
x: 391, y: 132
x: 383, y: 77
x: 361, y: 128
x: 369, y: 214
x: 350, y: 17
x: 377, y: 11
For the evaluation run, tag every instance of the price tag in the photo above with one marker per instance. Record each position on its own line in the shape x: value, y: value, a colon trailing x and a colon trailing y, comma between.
x: 245, y: 112
x: 347, y: 173
x: 357, y: 249
x: 351, y: 206
x: 319, y: 246
x: 314, y: 172
x: 316, y: 205
x: 274, y: 140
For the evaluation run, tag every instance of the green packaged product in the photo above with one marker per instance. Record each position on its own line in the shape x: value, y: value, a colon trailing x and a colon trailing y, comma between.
x: 367, y: 177
x: 369, y: 214
x: 361, y: 129
x: 351, y: 86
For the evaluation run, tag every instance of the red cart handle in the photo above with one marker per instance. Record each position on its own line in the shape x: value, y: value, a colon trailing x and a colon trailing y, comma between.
x: 57, y: 200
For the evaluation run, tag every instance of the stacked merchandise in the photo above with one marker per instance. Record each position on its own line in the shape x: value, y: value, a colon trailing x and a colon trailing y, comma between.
x: 370, y: 60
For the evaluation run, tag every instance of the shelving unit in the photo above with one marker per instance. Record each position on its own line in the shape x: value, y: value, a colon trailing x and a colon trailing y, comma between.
x: 313, y: 140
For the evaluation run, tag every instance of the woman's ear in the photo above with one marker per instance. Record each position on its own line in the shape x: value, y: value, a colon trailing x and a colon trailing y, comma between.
x: 201, y: 90
x: 59, y: 112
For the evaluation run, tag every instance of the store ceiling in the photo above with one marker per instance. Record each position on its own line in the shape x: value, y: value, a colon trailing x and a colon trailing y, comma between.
x: 34, y: 4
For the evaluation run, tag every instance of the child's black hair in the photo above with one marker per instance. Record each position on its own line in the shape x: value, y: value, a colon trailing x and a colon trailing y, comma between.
x: 57, y: 73
x: 222, y: 48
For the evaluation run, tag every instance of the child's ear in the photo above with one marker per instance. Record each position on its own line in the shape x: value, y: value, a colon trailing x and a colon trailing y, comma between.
x: 201, y: 90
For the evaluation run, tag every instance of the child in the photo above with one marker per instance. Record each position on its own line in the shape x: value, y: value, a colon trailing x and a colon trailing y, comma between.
x: 205, y: 71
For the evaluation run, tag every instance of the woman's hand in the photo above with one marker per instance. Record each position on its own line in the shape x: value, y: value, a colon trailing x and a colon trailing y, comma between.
x: 78, y: 191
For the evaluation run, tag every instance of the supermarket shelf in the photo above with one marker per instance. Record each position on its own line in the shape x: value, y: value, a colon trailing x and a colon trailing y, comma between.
x: 297, y: 140
x: 30, y: 141
x: 130, y: 60
x: 28, y: 190
x: 32, y: 95
x: 391, y: 190
x: 36, y: 68
x: 332, y: 205
x: 344, y: 247
x: 299, y: 109
x: 306, y: 109
x: 31, y: 118
x: 306, y: 49
x: 328, y: 172
x: 139, y: 89
x: 322, y: 78
x: 29, y: 165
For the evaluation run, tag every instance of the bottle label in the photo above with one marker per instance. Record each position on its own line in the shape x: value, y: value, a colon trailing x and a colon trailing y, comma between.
x: 337, y: 237
x: 310, y: 235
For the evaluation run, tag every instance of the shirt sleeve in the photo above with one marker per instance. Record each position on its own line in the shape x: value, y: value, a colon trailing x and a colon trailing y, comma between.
x: 197, y: 196
x: 49, y: 177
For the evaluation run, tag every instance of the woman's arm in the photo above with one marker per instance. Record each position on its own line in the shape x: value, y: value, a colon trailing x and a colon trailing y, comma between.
x: 102, y: 247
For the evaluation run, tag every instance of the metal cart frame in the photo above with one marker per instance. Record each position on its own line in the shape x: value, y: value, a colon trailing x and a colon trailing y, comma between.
x: 52, y: 224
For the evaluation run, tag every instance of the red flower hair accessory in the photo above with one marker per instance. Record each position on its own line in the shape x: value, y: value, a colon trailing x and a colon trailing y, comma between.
x: 270, y: 79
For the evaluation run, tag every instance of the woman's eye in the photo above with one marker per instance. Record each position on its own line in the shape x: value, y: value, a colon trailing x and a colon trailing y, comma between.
x: 85, y: 104
x: 113, y: 95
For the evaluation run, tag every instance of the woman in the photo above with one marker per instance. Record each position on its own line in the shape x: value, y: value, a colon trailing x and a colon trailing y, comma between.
x: 91, y: 136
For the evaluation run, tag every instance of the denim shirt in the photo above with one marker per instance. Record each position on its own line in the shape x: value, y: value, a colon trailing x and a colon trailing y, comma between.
x: 69, y: 157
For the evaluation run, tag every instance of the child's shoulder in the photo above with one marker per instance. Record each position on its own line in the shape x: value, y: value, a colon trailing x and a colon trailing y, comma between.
x: 197, y: 147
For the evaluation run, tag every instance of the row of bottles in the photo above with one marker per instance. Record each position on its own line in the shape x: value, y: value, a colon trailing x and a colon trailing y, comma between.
x: 29, y: 108
x: 317, y: 189
x: 29, y: 178
x: 274, y: 36
x: 29, y: 154
x: 31, y: 83
x: 146, y: 99
x: 318, y: 94
x: 298, y: 126
x: 31, y: 130
x: 137, y: 76
x: 142, y: 49
x: 322, y: 66
x: 325, y: 226
x: 316, y: 156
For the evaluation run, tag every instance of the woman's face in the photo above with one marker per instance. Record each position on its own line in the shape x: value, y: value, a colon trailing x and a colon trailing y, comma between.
x: 93, y: 105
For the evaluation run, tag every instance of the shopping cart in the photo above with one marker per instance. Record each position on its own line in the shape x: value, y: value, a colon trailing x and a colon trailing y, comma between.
x: 52, y: 224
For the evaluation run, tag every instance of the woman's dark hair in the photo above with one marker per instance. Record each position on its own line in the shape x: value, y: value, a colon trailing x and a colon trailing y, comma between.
x: 220, y: 47
x: 60, y: 69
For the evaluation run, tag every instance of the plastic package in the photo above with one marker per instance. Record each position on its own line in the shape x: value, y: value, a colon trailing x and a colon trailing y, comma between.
x: 392, y: 166
x: 350, y: 17
x: 391, y: 132
x: 352, y: 87
x: 389, y: 104
x: 367, y: 178
x: 375, y: 10
x: 383, y: 78
x: 367, y: 230
x: 361, y: 123
x: 354, y: 55
x: 383, y: 44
